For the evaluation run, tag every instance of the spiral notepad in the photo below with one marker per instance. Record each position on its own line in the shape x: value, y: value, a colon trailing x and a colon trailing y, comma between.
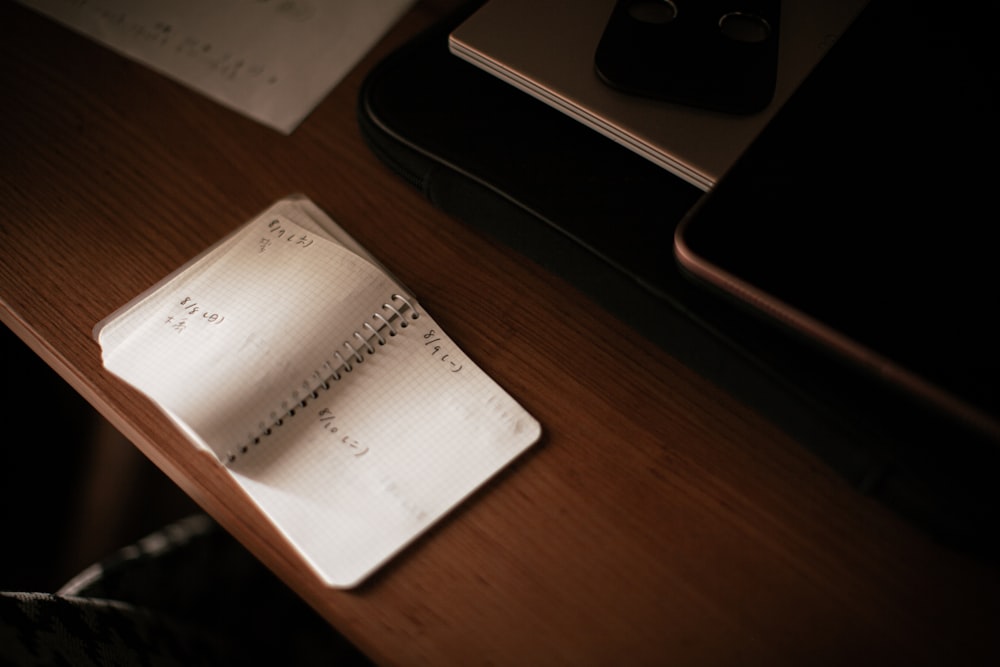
x: 320, y: 383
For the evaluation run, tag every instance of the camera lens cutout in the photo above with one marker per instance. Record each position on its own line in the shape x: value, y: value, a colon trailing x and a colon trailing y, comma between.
x: 653, y: 11
x: 743, y: 27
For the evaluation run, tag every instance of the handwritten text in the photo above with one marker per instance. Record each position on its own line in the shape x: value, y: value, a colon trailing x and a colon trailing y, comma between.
x: 431, y: 340
x: 188, y: 312
x: 328, y: 422
x: 276, y: 232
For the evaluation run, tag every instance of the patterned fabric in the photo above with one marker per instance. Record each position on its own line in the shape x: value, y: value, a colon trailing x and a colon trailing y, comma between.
x: 45, y: 629
x: 186, y: 595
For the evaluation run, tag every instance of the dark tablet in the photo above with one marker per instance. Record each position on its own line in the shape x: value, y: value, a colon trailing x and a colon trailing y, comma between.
x: 864, y: 216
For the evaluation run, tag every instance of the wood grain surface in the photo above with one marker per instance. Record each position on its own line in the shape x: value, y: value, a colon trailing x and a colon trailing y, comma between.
x: 659, y: 521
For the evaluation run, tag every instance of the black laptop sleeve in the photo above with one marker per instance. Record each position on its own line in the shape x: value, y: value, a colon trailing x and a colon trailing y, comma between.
x: 603, y: 218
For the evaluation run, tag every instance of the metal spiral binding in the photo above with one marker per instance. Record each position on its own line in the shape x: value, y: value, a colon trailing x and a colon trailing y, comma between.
x: 400, y: 309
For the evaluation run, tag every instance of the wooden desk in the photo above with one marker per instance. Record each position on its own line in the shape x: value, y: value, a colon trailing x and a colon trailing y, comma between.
x: 659, y: 522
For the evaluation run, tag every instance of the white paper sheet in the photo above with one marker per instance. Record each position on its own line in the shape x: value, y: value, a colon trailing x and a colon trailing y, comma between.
x: 272, y: 60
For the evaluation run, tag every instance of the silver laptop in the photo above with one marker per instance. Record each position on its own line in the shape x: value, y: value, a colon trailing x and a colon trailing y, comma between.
x: 547, y: 48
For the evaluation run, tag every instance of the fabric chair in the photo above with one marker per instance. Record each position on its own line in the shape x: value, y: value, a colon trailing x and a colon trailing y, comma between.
x: 188, y: 594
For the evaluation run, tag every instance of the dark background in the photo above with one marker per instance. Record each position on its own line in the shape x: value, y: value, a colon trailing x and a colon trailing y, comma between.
x: 73, y: 489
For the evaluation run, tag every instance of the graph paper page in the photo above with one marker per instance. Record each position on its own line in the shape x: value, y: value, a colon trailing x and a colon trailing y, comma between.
x: 350, y: 466
x: 227, y: 344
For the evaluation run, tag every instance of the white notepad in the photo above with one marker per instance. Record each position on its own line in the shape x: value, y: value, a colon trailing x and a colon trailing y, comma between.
x: 334, y: 400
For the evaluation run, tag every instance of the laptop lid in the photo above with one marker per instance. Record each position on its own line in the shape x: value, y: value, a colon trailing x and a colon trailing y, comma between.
x: 547, y: 49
